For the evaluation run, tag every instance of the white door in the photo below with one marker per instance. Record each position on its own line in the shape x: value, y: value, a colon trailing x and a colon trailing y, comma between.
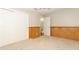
x: 46, y: 26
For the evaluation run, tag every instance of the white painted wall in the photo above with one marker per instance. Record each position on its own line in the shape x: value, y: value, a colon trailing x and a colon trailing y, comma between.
x: 34, y: 19
x: 13, y: 26
x: 65, y: 17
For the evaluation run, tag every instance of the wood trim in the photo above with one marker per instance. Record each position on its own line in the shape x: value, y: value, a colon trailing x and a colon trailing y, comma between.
x: 34, y: 32
x: 65, y: 27
x: 66, y: 32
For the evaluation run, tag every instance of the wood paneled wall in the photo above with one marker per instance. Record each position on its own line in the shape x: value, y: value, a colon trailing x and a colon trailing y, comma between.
x: 34, y: 32
x: 66, y: 32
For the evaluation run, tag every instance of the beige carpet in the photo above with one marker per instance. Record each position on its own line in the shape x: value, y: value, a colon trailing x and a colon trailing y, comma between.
x: 43, y: 43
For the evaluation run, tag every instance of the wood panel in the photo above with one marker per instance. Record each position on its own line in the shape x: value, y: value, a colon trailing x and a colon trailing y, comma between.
x: 34, y: 32
x: 66, y: 32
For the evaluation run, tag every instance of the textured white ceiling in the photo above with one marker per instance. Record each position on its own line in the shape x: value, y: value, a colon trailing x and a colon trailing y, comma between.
x: 42, y: 11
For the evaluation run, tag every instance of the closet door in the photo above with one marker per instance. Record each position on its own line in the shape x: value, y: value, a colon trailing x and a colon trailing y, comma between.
x: 46, y: 27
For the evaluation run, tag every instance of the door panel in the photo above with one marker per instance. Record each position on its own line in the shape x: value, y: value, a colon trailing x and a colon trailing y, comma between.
x: 46, y: 27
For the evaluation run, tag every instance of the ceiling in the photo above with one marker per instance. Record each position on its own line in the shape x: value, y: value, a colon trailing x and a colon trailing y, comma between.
x: 43, y: 11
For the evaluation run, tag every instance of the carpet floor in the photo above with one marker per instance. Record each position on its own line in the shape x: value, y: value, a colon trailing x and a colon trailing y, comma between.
x: 43, y: 43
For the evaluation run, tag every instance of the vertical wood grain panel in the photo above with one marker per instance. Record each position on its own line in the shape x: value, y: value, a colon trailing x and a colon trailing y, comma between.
x: 66, y: 32
x: 34, y: 32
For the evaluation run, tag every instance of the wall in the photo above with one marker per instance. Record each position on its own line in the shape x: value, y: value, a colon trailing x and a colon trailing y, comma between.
x: 34, y: 19
x: 65, y: 23
x: 34, y: 25
x: 66, y: 17
x: 13, y: 26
